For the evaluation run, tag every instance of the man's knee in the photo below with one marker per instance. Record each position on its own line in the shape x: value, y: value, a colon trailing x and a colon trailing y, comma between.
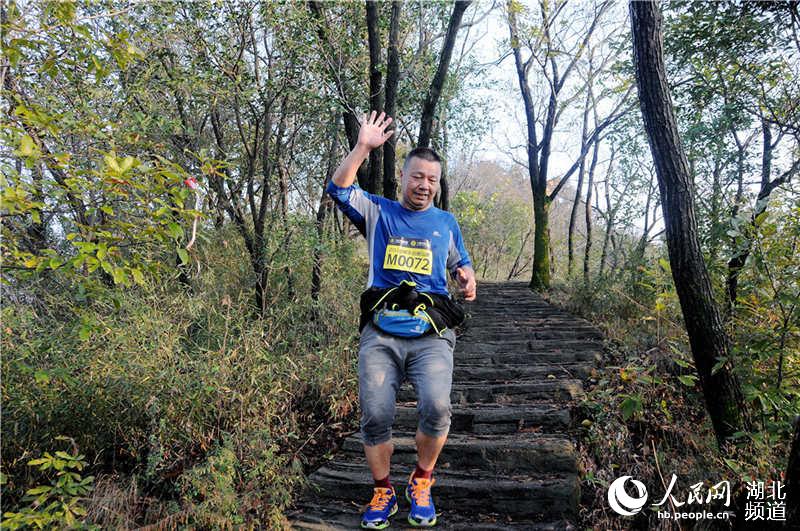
x: 376, y: 422
x: 434, y: 415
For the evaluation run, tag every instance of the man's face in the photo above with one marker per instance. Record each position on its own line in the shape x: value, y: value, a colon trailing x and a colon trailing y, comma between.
x: 420, y: 182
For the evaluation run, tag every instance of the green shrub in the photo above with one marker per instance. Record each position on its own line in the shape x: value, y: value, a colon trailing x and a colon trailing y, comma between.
x: 175, y: 389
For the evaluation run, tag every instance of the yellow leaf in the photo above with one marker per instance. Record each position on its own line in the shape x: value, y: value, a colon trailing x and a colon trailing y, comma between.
x: 111, y: 161
x: 26, y: 146
x: 127, y: 162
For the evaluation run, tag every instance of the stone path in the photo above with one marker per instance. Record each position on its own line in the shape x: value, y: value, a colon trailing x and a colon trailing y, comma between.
x: 509, y: 462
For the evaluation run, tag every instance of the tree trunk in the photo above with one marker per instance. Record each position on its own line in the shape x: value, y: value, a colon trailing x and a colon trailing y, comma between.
x: 429, y: 107
x: 610, y: 215
x: 375, y: 96
x: 707, y: 337
x: 573, y: 215
x: 540, y: 279
x: 589, y: 183
x: 392, y: 80
x: 716, y: 195
x: 325, y: 205
x: 443, y: 199
x: 351, y: 123
x: 738, y: 260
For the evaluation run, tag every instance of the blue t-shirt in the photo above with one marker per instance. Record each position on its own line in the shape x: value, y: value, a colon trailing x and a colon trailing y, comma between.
x: 416, y: 246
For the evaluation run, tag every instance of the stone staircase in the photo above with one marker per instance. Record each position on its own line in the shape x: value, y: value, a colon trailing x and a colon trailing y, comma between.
x: 510, y: 461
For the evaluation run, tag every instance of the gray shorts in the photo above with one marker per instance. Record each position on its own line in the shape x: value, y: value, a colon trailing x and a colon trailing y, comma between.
x: 385, y: 361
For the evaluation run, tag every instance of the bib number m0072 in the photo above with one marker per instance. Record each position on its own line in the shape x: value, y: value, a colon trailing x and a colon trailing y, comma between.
x: 409, y: 254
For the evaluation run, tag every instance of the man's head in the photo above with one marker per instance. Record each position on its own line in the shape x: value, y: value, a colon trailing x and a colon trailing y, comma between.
x: 419, y: 178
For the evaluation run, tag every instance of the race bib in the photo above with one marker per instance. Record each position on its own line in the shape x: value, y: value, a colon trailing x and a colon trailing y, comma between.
x: 409, y: 254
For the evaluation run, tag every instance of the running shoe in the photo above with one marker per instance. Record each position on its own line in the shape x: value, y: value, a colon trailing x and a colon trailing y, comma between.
x: 418, y: 493
x: 381, y: 507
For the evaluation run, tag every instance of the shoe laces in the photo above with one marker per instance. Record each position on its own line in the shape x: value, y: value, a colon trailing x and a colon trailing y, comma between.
x: 380, y: 498
x: 421, y: 490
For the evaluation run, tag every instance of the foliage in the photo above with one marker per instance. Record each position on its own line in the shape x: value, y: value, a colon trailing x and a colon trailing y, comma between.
x: 496, y: 227
x: 58, y: 504
x: 643, y: 411
x: 170, y: 386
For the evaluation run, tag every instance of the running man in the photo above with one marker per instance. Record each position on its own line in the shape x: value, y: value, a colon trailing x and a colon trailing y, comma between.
x: 407, y: 315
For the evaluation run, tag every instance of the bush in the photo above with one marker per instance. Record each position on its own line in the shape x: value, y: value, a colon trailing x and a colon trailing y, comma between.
x: 184, y: 392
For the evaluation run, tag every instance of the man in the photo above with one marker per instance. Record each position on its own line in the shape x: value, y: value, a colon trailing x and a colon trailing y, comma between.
x: 407, y: 315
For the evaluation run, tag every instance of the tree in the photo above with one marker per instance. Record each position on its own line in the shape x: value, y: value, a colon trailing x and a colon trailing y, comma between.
x: 708, y: 339
x: 743, y: 81
x: 555, y: 52
x: 79, y: 169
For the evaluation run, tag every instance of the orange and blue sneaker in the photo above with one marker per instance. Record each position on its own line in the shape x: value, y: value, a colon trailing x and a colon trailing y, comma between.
x: 418, y: 493
x: 381, y: 507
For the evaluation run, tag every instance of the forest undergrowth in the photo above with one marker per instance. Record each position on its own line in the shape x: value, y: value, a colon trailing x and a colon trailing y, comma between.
x: 160, y: 406
x: 643, y: 415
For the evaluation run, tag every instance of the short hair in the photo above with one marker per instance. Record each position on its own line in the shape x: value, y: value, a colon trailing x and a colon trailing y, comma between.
x: 424, y: 153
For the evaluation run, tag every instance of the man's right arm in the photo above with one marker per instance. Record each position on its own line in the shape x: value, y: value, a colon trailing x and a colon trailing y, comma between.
x: 359, y: 206
x: 373, y: 134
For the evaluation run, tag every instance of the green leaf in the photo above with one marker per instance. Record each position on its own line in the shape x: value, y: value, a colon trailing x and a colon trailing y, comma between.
x: 630, y: 406
x: 120, y: 277
x: 41, y: 377
x: 688, y: 380
x: 137, y: 276
x: 111, y: 161
x: 92, y: 263
x: 682, y: 363
x: 175, y: 230
x: 718, y: 365
x: 183, y: 255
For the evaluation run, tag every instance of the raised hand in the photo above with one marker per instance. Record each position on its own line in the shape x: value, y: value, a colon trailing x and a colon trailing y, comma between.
x: 374, y: 132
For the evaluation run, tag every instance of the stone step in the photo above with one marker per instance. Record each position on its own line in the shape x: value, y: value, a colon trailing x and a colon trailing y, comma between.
x: 488, y: 333
x: 505, y: 372
x: 317, y: 516
x: 506, y: 393
x: 521, y: 357
x: 522, y: 453
x: 509, y: 462
x: 536, y: 497
x: 494, y: 418
x: 516, y: 322
x: 498, y: 316
x: 544, y: 334
x: 530, y: 345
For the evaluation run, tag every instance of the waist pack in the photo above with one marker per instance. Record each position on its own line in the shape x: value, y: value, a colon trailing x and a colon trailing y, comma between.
x: 403, y: 310
x: 402, y: 323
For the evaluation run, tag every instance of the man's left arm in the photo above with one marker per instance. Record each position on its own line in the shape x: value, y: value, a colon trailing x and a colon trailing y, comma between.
x: 459, y: 264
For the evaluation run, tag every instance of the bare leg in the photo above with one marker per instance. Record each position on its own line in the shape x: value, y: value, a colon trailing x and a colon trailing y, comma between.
x: 379, y: 458
x: 428, y: 449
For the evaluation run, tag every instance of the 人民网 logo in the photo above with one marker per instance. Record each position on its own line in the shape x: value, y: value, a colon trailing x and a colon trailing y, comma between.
x: 623, y: 503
